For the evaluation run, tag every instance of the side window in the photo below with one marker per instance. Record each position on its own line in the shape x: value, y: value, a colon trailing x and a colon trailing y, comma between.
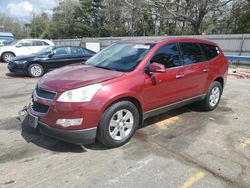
x: 210, y: 51
x: 61, y: 51
x: 87, y: 52
x: 192, y: 53
x: 45, y: 43
x: 168, y: 55
x: 37, y: 43
x: 77, y: 51
x: 25, y: 43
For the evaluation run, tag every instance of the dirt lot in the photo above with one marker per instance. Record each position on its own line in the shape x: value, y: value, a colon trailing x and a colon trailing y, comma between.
x: 182, y: 148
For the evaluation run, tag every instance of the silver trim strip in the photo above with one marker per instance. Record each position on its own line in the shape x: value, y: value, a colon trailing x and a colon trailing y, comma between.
x: 172, y: 106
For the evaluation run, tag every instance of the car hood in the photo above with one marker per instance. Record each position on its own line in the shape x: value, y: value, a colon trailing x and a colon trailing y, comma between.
x: 75, y: 76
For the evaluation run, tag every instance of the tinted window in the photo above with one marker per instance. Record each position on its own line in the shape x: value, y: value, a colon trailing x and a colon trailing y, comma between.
x: 61, y: 51
x: 37, y: 43
x: 210, y: 51
x: 77, y: 51
x: 25, y: 43
x: 45, y: 43
x: 167, y: 55
x: 88, y: 52
x: 192, y: 53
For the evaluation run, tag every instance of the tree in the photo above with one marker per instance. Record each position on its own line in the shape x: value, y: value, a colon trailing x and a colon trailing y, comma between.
x: 90, y: 18
x: 190, y: 12
x: 244, y: 20
x: 12, y: 25
x: 39, y: 26
x: 63, y: 22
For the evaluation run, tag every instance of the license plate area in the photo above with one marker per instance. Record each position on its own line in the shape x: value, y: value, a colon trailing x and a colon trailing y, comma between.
x: 27, y: 118
x: 32, y: 120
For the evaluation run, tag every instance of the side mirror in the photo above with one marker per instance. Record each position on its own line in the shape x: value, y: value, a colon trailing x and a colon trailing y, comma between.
x: 156, y: 67
x: 51, y: 53
x: 18, y: 45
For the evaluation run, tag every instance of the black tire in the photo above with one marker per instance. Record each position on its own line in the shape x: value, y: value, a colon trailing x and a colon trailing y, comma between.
x: 205, y: 104
x: 7, y: 56
x: 33, y: 73
x: 103, y: 132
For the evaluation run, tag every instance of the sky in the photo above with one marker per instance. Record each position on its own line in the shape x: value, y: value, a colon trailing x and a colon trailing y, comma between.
x: 23, y: 9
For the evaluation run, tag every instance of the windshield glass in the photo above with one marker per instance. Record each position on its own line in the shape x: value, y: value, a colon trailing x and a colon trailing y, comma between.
x: 13, y: 43
x: 45, y: 51
x: 121, y: 57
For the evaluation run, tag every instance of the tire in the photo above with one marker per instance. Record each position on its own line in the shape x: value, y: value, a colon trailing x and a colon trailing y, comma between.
x: 35, y: 70
x: 7, y: 56
x: 212, y: 98
x: 110, y: 132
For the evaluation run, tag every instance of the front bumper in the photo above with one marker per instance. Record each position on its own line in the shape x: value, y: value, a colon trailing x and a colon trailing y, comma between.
x: 17, y: 68
x: 79, y: 137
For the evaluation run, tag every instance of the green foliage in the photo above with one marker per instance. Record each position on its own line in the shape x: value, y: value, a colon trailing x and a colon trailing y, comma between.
x: 39, y: 26
x: 244, y: 21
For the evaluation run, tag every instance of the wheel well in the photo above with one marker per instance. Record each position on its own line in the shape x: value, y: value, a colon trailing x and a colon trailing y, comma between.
x: 135, y: 102
x: 1, y: 57
x: 220, y: 80
x: 8, y: 52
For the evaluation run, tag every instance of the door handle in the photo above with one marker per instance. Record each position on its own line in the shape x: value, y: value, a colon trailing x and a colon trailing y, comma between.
x: 180, y: 76
x: 205, y: 70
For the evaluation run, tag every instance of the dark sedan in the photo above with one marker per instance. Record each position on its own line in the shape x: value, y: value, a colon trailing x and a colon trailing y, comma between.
x: 49, y: 58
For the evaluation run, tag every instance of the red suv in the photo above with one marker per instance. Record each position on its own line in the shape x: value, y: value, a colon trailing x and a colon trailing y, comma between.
x: 109, y: 96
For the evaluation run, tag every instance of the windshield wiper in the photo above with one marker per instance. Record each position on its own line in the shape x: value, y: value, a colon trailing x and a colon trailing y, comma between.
x: 108, y: 68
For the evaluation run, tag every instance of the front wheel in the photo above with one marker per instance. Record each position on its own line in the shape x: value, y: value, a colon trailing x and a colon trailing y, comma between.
x: 118, y: 124
x: 35, y: 70
x: 212, y: 98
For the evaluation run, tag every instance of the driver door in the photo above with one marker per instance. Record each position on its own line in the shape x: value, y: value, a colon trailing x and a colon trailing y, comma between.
x: 60, y: 58
x: 164, y: 88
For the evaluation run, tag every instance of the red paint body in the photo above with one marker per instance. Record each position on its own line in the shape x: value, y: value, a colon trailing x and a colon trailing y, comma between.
x: 163, y: 90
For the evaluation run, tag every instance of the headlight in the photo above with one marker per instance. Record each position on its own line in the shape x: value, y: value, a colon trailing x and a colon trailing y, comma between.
x: 83, y: 94
x: 20, y: 62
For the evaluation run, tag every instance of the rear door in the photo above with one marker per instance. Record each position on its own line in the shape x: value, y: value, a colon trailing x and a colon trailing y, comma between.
x: 78, y: 55
x: 195, y: 69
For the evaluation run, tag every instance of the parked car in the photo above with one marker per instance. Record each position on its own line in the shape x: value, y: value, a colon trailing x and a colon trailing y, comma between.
x: 118, y: 88
x: 23, y: 47
x: 4, y: 42
x: 49, y: 58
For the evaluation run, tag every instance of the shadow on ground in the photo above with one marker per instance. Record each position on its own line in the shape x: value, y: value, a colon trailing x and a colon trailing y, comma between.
x: 34, y: 136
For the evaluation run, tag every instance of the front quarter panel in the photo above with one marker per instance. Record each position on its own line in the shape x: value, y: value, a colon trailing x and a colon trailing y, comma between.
x: 122, y: 87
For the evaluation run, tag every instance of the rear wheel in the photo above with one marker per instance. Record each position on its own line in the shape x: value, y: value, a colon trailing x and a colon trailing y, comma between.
x: 213, y: 97
x: 35, y: 70
x: 118, y: 124
x: 7, y: 56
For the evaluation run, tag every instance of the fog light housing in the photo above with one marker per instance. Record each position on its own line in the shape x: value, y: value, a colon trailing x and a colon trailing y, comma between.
x: 69, y: 122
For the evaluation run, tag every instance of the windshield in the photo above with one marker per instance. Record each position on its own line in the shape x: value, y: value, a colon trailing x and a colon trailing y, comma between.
x: 121, y: 57
x: 13, y: 43
x: 45, y: 51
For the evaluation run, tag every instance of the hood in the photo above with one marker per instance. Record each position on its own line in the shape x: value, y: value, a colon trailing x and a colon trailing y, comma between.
x: 71, y: 77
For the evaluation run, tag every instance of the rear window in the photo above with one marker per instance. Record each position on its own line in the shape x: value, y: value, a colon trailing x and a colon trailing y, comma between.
x: 192, y: 53
x: 210, y: 51
x: 37, y: 43
x: 45, y: 43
